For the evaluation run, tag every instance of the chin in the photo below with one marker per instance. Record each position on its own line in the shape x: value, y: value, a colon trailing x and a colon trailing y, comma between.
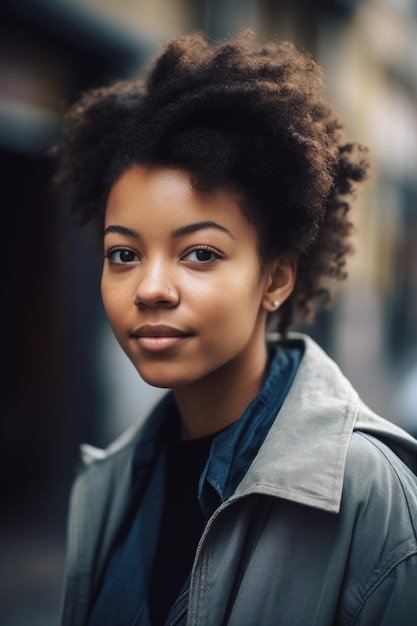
x: 166, y: 380
x: 156, y: 381
x: 159, y: 379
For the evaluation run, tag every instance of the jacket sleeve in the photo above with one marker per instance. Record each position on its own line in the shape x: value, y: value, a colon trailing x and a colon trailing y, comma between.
x: 394, y: 599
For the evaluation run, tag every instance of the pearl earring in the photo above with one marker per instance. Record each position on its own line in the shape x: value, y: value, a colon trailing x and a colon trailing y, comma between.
x: 275, y: 304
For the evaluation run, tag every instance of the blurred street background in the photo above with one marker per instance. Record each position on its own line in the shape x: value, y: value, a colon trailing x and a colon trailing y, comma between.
x: 64, y: 381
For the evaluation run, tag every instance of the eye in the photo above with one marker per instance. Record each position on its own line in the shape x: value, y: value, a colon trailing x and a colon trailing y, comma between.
x: 121, y: 256
x: 202, y: 255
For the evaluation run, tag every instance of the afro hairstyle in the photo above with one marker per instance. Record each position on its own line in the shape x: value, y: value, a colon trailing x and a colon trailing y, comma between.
x: 239, y: 114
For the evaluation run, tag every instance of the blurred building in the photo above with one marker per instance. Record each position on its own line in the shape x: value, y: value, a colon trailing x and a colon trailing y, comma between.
x: 66, y: 381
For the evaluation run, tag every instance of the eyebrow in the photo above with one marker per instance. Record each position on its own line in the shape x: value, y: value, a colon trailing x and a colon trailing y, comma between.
x: 122, y: 230
x: 182, y: 231
x: 193, y: 228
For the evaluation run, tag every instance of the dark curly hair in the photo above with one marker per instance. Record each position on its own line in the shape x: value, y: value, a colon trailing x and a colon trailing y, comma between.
x: 239, y: 114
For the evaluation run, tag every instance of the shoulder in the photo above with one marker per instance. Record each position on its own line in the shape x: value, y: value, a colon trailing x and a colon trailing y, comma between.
x: 379, y: 515
x: 379, y: 510
x: 379, y: 480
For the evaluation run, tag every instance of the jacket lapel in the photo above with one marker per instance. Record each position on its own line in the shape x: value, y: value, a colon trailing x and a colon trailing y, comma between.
x: 303, y: 457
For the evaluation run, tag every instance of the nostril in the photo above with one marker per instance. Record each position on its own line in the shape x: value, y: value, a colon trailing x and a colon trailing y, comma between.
x: 151, y: 298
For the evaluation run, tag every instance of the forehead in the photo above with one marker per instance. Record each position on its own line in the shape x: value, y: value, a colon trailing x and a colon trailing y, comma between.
x: 157, y: 198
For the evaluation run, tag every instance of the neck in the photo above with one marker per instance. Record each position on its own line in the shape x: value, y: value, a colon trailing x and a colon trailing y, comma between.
x: 211, y: 404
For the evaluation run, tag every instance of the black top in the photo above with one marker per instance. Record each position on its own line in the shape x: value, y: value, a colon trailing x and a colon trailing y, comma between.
x: 181, y: 525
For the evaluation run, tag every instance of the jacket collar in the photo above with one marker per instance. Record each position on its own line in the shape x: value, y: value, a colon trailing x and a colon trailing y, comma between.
x: 303, y: 456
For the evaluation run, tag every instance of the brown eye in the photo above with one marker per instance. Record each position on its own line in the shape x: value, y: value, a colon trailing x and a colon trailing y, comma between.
x: 123, y: 255
x: 202, y: 255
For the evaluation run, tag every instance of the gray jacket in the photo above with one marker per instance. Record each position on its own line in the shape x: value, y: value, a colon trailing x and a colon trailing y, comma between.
x: 321, y: 531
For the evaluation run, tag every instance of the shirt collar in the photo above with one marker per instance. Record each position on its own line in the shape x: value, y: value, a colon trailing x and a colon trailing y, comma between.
x: 233, y: 449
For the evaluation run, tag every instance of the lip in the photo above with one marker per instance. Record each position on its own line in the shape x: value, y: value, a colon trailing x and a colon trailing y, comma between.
x: 159, y: 337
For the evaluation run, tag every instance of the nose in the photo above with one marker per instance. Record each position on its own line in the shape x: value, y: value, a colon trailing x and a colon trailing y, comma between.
x: 155, y: 288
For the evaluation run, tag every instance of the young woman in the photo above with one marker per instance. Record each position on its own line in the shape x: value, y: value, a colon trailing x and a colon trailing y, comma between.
x: 260, y: 490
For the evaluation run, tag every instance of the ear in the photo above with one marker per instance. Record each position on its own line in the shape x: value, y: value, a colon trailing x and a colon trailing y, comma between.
x: 280, y: 274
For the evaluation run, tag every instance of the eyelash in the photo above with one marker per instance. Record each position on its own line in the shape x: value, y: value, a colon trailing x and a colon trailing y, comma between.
x: 204, y: 249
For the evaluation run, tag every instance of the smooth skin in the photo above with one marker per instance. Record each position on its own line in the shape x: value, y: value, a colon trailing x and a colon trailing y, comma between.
x: 185, y: 294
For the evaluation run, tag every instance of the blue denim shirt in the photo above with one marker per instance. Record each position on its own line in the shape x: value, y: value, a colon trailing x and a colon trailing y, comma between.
x: 122, y: 599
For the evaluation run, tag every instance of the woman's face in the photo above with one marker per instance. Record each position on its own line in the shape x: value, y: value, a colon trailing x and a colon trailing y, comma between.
x: 181, y: 284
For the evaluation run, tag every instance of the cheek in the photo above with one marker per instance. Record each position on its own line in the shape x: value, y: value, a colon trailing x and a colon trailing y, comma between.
x: 114, y: 302
x: 106, y: 298
x: 230, y: 304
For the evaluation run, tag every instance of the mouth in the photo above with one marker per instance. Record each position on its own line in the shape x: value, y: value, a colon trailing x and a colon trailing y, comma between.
x: 159, y: 337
